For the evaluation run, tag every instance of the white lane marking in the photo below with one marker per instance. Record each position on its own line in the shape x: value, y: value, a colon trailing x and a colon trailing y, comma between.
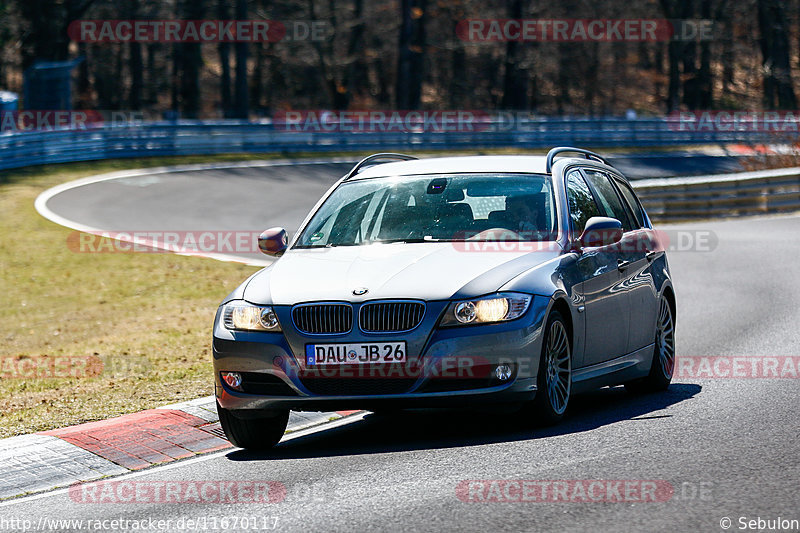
x: 349, y: 419
x: 41, y: 201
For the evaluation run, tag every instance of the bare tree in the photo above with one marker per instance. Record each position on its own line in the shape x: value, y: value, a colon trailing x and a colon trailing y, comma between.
x: 515, y: 84
x: 411, y: 54
x: 224, y: 50
x: 777, y: 75
x: 242, y: 105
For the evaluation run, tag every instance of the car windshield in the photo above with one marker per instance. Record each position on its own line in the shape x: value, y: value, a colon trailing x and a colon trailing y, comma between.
x: 433, y: 208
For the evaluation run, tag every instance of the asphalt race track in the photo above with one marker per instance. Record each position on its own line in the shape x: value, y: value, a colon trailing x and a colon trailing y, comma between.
x: 729, y: 447
x: 253, y: 199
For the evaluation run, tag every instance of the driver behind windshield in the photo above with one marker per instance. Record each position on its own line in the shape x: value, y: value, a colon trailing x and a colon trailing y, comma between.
x: 523, y: 214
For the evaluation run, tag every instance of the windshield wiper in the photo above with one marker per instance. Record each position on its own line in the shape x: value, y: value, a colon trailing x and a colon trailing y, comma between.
x: 414, y: 240
x: 328, y: 245
x: 377, y: 241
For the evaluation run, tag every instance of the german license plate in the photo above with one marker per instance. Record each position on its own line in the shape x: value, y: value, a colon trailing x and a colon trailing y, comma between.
x: 356, y: 353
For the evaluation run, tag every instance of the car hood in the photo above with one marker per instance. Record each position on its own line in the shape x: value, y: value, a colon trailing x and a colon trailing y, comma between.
x: 427, y: 271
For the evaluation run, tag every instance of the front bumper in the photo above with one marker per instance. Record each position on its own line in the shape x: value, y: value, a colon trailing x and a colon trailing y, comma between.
x: 453, y: 366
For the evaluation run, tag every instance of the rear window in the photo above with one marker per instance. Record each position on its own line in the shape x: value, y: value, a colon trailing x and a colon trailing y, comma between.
x: 582, y: 206
x: 633, y: 202
x: 610, y: 202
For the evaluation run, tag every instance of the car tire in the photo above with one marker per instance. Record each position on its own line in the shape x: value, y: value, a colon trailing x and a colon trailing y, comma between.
x: 663, y: 365
x: 260, y: 433
x: 554, y: 380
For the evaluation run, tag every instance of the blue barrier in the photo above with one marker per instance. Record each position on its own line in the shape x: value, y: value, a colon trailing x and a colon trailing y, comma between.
x: 24, y: 148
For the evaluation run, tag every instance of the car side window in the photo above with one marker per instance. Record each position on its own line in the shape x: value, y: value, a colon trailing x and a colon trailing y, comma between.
x: 633, y: 202
x: 610, y: 201
x: 582, y: 206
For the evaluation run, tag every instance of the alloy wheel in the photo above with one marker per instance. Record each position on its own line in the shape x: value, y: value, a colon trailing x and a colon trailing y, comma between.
x: 559, y: 367
x: 665, y: 339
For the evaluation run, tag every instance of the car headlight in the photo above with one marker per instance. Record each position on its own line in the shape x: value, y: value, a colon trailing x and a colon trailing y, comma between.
x: 489, y: 309
x: 247, y: 317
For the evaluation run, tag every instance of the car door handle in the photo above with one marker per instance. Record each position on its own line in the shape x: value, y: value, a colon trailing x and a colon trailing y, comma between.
x: 651, y: 255
x: 622, y: 265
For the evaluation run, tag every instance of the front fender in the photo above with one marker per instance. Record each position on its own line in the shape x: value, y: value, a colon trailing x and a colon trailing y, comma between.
x: 560, y: 281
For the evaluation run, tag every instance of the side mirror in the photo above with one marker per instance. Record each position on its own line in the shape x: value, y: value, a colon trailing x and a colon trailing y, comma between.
x: 601, y: 231
x: 273, y: 241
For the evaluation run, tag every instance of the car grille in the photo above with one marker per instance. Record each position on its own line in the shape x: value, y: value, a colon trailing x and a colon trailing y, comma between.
x: 483, y: 378
x: 358, y: 386
x: 265, y: 384
x: 323, y: 318
x: 449, y: 385
x: 388, y: 317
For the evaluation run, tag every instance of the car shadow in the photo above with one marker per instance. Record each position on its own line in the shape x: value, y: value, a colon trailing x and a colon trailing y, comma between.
x: 430, y: 429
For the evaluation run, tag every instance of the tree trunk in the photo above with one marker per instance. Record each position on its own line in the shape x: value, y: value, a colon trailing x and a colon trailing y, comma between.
x: 458, y: 85
x: 515, y: 85
x: 691, y: 92
x: 774, y: 41
x: 728, y: 58
x: 326, y: 77
x: 175, y: 99
x: 705, y: 82
x: 84, y: 83
x: 191, y: 61
x: 242, y: 105
x: 135, y: 64
x: 155, y: 75
x: 356, y: 76
x: 565, y: 75
x: 46, y: 38
x: 591, y: 74
x: 411, y: 58
x: 224, y: 50
x: 675, y: 9
x: 257, y: 80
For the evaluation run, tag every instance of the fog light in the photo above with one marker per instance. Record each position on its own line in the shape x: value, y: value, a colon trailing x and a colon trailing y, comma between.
x: 232, y: 380
x: 503, y: 372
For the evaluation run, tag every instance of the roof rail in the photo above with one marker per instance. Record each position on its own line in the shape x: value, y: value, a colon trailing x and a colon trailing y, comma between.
x: 370, y: 159
x: 551, y: 155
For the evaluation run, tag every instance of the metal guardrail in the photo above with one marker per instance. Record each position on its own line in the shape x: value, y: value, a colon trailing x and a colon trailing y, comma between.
x: 24, y: 148
x: 740, y: 194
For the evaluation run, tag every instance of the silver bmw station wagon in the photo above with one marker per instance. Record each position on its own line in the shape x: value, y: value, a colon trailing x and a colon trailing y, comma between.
x: 508, y: 281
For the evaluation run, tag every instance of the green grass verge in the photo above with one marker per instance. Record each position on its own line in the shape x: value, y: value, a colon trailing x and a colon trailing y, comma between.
x: 147, y: 317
